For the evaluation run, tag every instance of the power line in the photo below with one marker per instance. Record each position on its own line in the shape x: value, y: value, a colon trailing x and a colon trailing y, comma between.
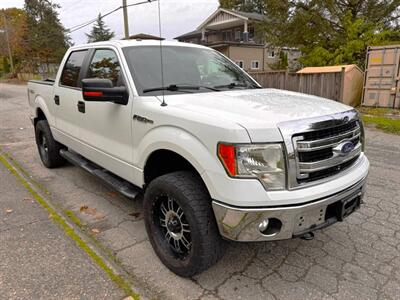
x: 80, y: 26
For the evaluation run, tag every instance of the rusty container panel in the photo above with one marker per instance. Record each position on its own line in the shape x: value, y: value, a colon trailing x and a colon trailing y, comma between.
x: 382, y: 77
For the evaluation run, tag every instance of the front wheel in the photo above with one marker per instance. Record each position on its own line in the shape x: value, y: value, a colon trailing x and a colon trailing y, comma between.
x: 180, y: 223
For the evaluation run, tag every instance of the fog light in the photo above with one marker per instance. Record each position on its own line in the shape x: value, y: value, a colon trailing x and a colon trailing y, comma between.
x: 271, y: 226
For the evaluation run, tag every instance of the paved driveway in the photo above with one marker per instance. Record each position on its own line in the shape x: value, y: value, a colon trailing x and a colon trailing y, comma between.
x: 356, y: 259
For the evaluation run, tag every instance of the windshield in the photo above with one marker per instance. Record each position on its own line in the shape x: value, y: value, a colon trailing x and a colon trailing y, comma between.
x: 186, y: 69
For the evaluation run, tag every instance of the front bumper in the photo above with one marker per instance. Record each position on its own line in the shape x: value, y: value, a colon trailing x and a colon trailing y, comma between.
x: 285, y: 222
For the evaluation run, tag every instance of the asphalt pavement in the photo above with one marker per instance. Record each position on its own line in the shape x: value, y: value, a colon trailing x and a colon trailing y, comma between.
x: 37, y: 259
x: 356, y: 259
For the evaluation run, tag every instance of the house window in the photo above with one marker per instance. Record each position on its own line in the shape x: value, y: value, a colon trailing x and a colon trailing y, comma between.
x: 251, y: 33
x: 240, y: 63
x: 227, y: 35
x: 255, y: 64
x: 238, y: 35
x: 271, y: 54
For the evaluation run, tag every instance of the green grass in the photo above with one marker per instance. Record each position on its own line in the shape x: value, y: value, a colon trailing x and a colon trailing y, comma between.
x: 378, y: 111
x: 383, y: 123
x: 385, y: 119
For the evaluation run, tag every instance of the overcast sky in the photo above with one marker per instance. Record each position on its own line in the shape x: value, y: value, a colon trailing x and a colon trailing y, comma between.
x: 177, y: 16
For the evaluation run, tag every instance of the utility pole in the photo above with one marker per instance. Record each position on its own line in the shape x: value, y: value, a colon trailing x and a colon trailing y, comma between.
x: 8, y: 44
x: 126, y: 25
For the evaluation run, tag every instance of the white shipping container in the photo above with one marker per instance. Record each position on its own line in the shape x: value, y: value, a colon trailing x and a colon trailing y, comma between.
x: 382, y: 77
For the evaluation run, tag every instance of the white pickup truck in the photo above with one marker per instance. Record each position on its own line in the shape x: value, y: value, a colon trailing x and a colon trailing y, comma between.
x: 216, y: 156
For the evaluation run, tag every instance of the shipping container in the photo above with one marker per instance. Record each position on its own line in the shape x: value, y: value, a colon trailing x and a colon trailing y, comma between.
x: 382, y: 77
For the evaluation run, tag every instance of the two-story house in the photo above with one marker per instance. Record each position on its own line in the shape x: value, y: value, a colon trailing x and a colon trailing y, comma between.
x: 233, y: 33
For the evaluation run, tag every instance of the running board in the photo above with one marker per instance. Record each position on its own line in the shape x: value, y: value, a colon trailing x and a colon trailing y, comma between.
x: 122, y: 186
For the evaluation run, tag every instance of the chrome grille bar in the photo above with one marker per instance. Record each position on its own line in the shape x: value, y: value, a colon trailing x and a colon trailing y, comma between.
x: 307, y: 146
x: 328, y: 163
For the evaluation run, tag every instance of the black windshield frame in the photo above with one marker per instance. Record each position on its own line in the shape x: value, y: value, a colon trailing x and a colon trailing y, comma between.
x: 138, y: 72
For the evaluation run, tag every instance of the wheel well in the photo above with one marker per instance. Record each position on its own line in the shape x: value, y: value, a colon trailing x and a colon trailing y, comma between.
x: 40, y: 116
x: 162, y: 162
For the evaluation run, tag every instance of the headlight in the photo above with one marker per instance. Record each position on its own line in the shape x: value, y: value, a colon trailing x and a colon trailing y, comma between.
x: 265, y: 162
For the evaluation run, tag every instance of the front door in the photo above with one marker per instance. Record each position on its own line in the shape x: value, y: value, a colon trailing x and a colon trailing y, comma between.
x: 105, y: 127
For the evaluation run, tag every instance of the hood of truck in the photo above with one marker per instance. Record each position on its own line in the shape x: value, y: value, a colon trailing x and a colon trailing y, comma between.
x: 257, y: 110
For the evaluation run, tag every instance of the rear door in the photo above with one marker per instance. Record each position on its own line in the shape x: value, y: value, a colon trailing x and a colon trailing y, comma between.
x: 106, y: 127
x: 67, y: 94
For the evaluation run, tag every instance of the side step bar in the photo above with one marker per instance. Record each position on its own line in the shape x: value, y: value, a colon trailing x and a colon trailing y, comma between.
x: 122, y: 186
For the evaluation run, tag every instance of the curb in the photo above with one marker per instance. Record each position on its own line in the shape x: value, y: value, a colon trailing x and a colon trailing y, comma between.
x: 71, y: 230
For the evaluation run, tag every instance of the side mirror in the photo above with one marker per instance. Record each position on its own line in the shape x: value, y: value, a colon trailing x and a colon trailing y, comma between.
x: 102, y: 90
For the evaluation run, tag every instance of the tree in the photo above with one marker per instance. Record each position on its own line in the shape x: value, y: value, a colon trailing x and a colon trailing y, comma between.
x: 331, y: 32
x: 46, y: 38
x: 327, y: 32
x: 100, y: 32
x: 12, y: 20
x: 257, y: 6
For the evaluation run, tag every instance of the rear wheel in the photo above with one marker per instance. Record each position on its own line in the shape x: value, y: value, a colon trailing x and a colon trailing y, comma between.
x: 49, y: 149
x: 180, y: 223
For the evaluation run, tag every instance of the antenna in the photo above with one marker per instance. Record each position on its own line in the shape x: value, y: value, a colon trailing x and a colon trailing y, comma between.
x: 161, y: 55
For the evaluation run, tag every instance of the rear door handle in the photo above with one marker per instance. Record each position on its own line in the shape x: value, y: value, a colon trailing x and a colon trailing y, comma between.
x: 81, y: 106
x: 57, y: 100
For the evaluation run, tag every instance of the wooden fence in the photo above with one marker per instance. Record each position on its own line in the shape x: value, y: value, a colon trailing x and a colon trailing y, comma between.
x: 327, y: 85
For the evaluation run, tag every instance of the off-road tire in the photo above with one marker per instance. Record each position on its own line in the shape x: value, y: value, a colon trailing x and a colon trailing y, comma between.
x: 189, y: 192
x: 49, y: 149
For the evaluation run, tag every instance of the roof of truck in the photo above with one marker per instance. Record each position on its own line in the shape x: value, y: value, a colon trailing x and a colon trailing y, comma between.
x: 136, y: 43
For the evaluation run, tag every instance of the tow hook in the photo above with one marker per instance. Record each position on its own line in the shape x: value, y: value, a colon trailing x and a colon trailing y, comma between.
x: 307, y: 236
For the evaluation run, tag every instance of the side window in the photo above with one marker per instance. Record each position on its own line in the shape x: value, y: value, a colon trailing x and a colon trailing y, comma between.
x: 105, y: 64
x: 72, y: 68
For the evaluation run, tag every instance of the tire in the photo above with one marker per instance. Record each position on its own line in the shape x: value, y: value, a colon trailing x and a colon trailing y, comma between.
x: 49, y: 149
x: 191, y: 210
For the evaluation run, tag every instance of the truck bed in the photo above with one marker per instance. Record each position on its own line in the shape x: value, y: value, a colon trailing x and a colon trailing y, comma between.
x: 41, y: 91
x: 47, y: 81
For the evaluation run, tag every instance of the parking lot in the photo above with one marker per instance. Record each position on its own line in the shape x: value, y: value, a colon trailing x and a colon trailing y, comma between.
x: 356, y: 259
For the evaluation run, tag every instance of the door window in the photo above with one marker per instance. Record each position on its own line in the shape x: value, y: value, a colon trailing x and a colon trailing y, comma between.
x: 105, y: 65
x: 72, y: 68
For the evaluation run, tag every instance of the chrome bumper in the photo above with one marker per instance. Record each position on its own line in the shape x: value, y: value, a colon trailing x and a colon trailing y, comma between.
x: 285, y: 222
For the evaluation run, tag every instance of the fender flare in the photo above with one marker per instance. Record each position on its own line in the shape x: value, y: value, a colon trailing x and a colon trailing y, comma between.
x: 181, y: 142
x: 40, y: 103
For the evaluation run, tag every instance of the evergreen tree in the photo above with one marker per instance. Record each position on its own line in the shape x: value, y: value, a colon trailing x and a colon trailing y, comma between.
x: 328, y: 32
x: 257, y: 6
x: 46, y: 38
x: 100, y: 32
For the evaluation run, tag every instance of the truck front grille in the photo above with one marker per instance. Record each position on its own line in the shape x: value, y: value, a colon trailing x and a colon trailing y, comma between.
x: 314, y: 147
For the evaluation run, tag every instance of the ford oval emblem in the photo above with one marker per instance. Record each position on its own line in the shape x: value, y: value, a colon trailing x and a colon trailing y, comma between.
x: 344, y: 148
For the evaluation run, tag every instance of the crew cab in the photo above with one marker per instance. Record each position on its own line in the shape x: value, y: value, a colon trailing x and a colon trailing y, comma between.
x: 216, y: 156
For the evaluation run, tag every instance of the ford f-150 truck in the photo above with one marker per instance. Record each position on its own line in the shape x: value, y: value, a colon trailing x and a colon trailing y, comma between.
x: 216, y: 156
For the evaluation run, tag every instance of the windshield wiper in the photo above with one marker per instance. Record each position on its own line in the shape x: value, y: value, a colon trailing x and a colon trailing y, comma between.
x: 233, y: 85
x: 180, y: 88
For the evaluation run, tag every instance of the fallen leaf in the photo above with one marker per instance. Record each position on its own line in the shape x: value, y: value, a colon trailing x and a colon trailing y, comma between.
x: 112, y: 194
x: 135, y: 214
x: 99, y: 216
x: 9, y: 210
x: 95, y: 231
x: 88, y: 210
